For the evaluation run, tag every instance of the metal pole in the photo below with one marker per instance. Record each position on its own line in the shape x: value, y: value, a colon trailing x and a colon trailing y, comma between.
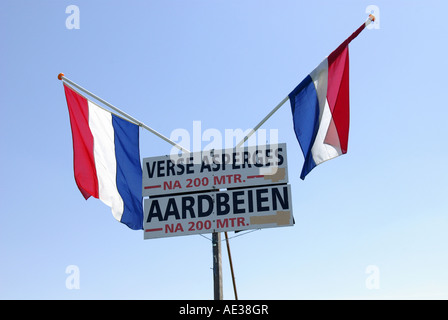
x: 124, y: 114
x: 217, y: 266
x: 231, y: 265
x: 263, y: 121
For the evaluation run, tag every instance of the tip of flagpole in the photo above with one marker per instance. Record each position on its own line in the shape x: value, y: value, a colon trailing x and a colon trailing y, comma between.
x: 372, y: 17
x: 60, y: 76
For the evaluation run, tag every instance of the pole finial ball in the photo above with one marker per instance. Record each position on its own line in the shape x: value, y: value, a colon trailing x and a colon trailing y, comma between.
x: 60, y: 76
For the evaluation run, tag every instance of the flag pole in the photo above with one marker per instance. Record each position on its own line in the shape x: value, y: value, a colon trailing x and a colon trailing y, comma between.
x: 369, y: 20
x: 252, y: 131
x: 124, y: 114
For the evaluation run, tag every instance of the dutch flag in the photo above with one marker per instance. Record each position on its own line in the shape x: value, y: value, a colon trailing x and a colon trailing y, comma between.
x: 320, y: 107
x: 106, y: 158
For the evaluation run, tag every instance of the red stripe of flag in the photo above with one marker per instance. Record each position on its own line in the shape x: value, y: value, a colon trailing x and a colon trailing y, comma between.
x: 83, y: 159
x: 338, y: 94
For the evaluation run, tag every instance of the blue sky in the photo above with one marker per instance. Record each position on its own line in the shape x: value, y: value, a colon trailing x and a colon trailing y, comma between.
x: 227, y: 64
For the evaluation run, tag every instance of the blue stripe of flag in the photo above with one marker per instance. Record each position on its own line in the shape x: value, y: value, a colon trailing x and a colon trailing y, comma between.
x: 305, y: 114
x: 129, y: 171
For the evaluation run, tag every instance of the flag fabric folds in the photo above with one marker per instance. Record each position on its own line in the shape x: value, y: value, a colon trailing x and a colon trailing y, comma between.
x: 320, y: 108
x: 106, y: 158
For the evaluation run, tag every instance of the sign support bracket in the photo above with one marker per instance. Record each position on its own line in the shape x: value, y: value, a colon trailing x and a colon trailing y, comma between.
x: 231, y: 265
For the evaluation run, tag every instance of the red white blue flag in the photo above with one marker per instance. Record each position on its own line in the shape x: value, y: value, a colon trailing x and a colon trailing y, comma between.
x: 320, y: 107
x: 106, y: 158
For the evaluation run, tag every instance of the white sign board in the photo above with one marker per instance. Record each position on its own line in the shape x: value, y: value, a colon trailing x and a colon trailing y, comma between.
x: 218, y: 211
x: 214, y: 170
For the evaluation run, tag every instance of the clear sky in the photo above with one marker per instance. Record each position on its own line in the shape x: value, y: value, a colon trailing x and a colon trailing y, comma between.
x: 380, y: 207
